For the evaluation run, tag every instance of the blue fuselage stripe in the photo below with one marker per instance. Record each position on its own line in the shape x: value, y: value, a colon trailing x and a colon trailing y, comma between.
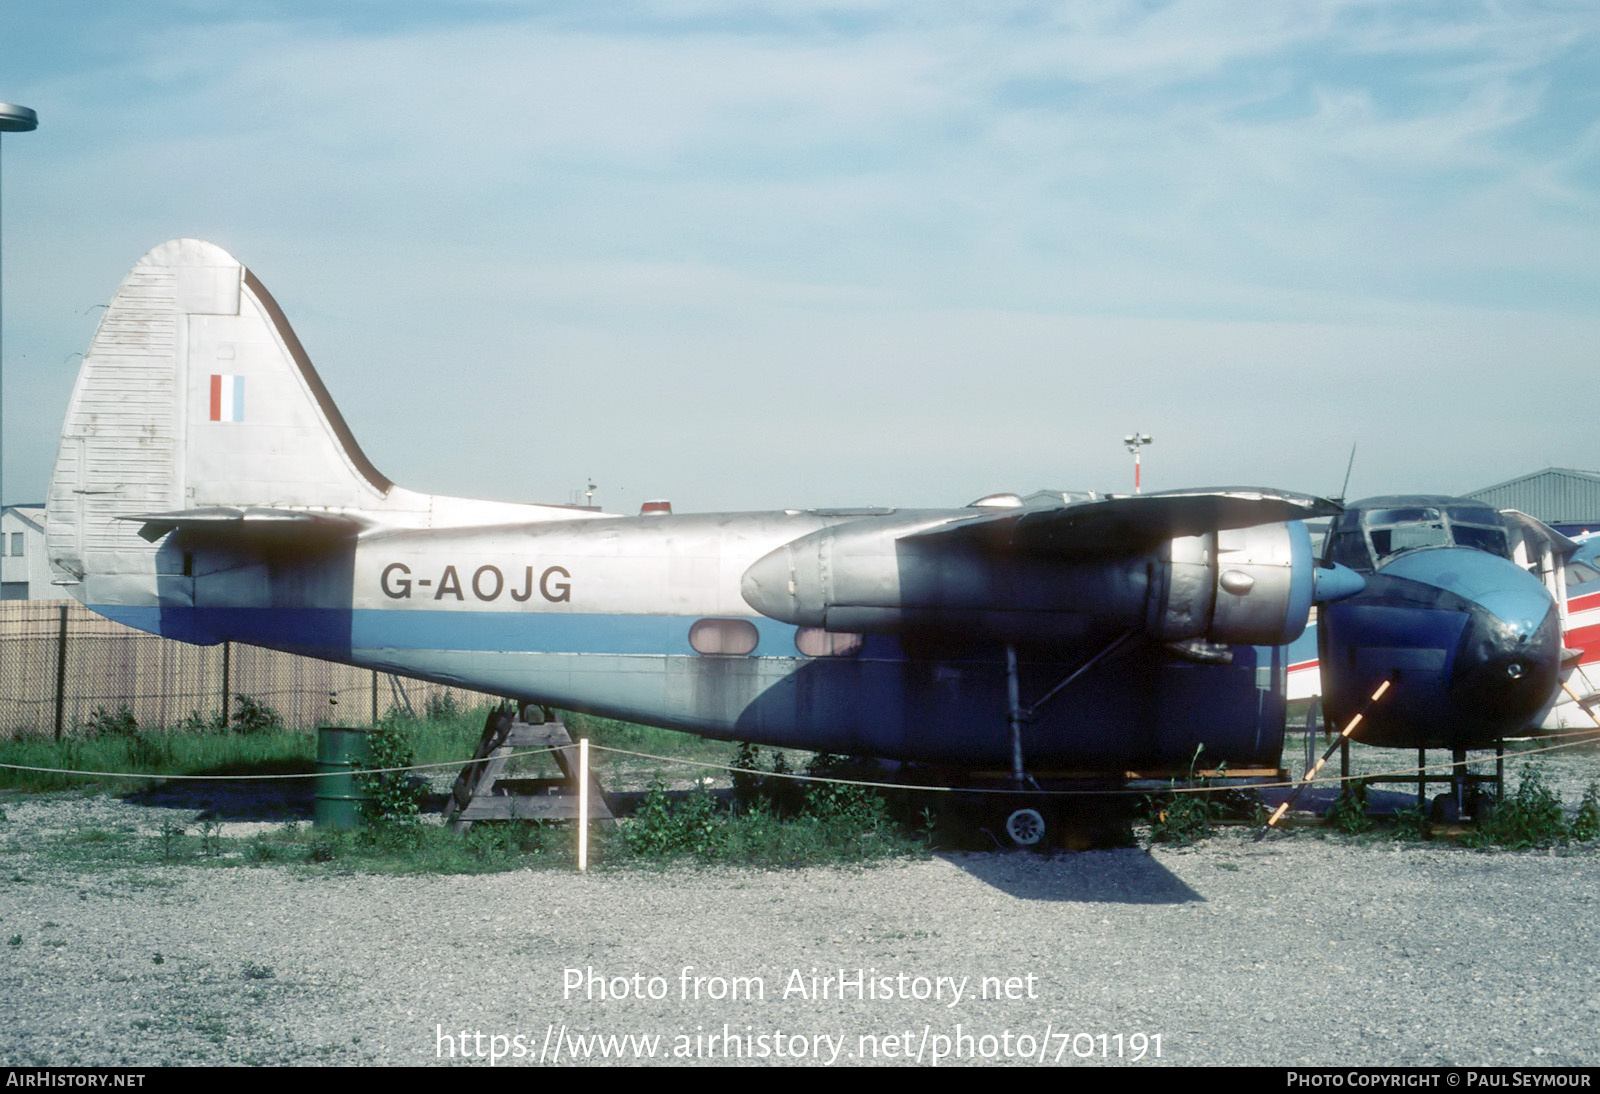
x: 393, y: 629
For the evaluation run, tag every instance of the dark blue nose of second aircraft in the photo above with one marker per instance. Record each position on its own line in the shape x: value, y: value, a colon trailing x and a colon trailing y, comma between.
x: 1506, y: 660
x: 1509, y: 661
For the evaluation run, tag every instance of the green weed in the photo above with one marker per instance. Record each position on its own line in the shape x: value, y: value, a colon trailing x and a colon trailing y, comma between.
x: 254, y: 717
x: 663, y: 828
x: 210, y: 837
x: 154, y: 753
x: 776, y: 791
x: 827, y: 822
x: 259, y: 852
x: 171, y: 838
x: 1180, y: 819
x: 195, y: 722
x: 326, y: 847
x: 1411, y: 824
x: 105, y: 723
x: 1349, y: 811
x: 747, y: 775
x: 1532, y: 817
x: 442, y: 706
x: 1185, y: 818
x: 1586, y: 825
x: 393, y: 808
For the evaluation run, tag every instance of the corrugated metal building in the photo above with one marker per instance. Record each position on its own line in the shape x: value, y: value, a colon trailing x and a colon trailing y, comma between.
x: 1559, y: 496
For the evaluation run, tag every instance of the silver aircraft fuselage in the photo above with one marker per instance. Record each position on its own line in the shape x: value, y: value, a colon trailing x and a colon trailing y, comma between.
x: 207, y: 489
x: 600, y: 615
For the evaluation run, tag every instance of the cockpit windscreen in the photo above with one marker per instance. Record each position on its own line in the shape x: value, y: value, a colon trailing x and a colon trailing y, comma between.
x: 1364, y: 539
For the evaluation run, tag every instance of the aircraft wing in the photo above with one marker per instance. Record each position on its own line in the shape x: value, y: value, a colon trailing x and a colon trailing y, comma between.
x: 1115, y: 526
x: 1540, y: 532
x: 1229, y: 566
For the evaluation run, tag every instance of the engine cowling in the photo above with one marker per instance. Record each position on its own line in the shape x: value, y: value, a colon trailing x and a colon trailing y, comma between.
x: 1248, y: 586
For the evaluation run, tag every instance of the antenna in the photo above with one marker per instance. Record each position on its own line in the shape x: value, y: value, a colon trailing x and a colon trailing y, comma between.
x: 1344, y: 489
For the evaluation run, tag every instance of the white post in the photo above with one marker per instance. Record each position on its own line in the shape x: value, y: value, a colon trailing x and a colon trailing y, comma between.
x: 583, y: 804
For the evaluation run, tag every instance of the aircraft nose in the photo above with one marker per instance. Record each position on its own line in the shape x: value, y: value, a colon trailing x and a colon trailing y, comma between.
x: 1509, y: 659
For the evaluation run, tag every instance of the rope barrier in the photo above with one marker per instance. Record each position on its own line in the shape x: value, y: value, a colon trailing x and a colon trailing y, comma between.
x: 1580, y: 739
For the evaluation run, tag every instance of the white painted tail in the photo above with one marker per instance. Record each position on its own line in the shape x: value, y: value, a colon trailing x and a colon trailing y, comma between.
x: 196, y: 395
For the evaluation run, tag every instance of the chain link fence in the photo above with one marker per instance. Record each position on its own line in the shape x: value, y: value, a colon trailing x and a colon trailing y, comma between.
x: 60, y: 664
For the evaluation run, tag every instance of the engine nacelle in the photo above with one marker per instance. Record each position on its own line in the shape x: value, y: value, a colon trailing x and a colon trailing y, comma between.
x: 1239, y: 586
x: 1247, y: 586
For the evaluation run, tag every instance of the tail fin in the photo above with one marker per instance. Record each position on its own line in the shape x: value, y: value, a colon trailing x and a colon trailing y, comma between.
x: 195, y: 392
x: 197, y: 400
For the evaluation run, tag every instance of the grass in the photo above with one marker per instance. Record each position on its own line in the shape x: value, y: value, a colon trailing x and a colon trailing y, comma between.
x: 151, y: 754
x: 771, y: 821
x: 636, y: 771
x: 757, y: 839
x: 114, y: 742
x: 782, y: 823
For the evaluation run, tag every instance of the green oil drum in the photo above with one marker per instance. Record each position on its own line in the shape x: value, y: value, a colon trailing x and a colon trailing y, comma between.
x: 339, y: 753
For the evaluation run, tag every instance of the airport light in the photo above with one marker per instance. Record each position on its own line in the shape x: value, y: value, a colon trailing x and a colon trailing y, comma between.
x: 1136, y: 441
x: 13, y: 119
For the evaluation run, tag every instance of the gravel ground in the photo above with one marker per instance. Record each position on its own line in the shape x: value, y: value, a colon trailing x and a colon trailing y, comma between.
x: 1294, y: 950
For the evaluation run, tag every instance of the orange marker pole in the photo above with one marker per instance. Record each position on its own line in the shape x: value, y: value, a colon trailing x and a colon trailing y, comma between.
x: 1566, y: 687
x: 1310, y: 776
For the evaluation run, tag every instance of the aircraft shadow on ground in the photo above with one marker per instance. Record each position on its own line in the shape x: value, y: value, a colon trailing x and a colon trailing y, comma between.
x: 1124, y: 876
x: 233, y: 800
x: 247, y: 799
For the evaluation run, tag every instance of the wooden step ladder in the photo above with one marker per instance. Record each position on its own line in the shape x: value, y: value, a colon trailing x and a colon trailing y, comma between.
x: 482, y: 792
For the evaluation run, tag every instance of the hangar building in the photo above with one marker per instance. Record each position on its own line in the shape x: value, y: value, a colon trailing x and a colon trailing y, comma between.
x: 1563, y: 498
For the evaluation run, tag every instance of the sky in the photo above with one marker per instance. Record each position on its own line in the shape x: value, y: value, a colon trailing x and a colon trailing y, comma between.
x: 744, y: 254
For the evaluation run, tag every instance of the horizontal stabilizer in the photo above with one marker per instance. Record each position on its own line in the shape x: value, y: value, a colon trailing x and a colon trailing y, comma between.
x: 253, y: 519
x: 1114, y: 526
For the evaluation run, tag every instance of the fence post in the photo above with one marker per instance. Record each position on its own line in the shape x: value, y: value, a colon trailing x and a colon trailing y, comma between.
x: 374, y: 697
x: 61, y: 667
x: 227, y: 669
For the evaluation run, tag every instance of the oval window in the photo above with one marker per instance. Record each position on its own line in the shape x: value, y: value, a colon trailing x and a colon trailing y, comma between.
x: 816, y: 642
x: 734, y: 637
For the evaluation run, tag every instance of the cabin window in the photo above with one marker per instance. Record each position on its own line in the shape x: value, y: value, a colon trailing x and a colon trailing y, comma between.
x: 1479, y: 528
x: 1477, y: 536
x: 816, y: 642
x: 1581, y: 573
x: 1394, y: 531
x: 728, y: 637
x: 1361, y: 539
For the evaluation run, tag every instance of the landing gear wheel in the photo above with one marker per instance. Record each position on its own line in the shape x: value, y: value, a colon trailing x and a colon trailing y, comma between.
x: 1025, y: 827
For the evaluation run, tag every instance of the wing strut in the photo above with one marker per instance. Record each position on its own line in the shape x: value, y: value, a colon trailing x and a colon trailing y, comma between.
x: 1020, y: 714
